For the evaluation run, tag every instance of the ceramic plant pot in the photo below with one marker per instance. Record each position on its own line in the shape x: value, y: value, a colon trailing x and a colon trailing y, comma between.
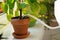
x: 20, y: 27
x: 1, y: 10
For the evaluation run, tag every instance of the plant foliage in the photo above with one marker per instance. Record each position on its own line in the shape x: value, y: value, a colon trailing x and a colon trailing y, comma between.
x: 38, y: 8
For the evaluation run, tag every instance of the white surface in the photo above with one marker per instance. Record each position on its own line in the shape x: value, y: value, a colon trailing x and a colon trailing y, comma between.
x: 3, y: 20
x: 57, y: 11
x: 36, y: 32
x: 1, y: 0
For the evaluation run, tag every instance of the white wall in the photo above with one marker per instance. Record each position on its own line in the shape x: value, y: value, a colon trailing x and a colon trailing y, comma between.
x: 1, y: 0
x: 57, y: 11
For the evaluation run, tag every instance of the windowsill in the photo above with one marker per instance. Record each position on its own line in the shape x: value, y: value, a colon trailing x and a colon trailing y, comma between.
x: 36, y: 32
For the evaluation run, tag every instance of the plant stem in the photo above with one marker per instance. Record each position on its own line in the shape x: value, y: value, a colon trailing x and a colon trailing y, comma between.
x: 20, y: 13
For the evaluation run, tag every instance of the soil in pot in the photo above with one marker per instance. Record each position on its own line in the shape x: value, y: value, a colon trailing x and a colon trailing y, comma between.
x: 53, y: 23
x: 20, y: 26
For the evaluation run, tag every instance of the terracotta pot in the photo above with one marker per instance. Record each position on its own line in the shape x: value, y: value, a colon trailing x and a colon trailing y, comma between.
x: 20, y: 37
x: 1, y: 10
x: 20, y: 26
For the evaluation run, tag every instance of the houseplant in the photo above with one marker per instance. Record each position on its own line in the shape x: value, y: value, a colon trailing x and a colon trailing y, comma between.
x: 28, y: 9
x: 51, y: 16
x: 20, y: 23
x: 8, y: 8
x: 48, y: 9
x: 32, y: 7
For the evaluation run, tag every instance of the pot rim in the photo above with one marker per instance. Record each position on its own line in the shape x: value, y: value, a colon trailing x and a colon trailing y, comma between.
x: 15, y: 18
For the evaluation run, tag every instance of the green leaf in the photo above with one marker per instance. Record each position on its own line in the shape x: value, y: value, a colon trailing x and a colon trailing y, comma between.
x: 4, y: 7
x: 21, y: 5
x: 10, y: 11
x: 49, y: 1
x: 43, y: 9
x: 12, y: 1
x: 9, y: 16
x: 32, y: 1
x: 16, y: 13
x: 11, y: 5
x: 34, y: 7
x: 32, y: 22
x: 8, y: 1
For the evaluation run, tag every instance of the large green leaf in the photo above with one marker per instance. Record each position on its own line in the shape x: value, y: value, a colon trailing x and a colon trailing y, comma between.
x: 49, y: 1
x: 32, y: 22
x: 43, y: 9
x: 16, y: 13
x: 10, y: 11
x: 4, y: 7
x: 21, y: 5
x: 32, y: 1
x: 11, y: 3
x: 34, y: 6
x: 9, y: 16
x: 11, y: 6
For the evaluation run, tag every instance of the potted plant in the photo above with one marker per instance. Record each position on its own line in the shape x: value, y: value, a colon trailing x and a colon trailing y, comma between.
x: 47, y: 7
x: 20, y: 23
x: 34, y: 7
